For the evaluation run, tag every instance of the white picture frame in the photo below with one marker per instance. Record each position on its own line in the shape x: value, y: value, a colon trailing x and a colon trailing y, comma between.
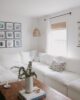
x: 9, y: 26
x: 2, y: 25
x: 2, y: 34
x: 78, y: 35
x: 17, y: 43
x: 17, y: 26
x: 10, y: 44
x: 2, y: 43
x: 17, y: 34
x: 9, y: 35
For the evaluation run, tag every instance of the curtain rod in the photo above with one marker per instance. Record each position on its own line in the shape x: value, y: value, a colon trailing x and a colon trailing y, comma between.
x: 59, y: 15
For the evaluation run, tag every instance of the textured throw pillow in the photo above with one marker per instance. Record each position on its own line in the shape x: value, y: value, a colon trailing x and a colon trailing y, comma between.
x: 58, y: 66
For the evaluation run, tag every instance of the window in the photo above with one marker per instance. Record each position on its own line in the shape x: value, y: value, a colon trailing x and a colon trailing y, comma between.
x: 57, y: 40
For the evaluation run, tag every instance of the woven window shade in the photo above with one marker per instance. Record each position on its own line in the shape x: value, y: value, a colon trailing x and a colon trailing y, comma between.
x: 57, y: 26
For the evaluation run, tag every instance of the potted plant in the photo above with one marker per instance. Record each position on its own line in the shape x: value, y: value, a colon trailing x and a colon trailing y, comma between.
x: 27, y: 74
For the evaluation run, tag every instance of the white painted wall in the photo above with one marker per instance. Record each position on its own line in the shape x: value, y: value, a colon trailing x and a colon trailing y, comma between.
x: 35, y: 40
x: 72, y: 31
x: 27, y: 25
x: 32, y: 43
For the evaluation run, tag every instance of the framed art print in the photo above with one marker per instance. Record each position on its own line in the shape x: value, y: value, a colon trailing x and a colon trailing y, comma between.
x: 78, y: 35
x: 17, y: 34
x: 17, y: 43
x: 10, y: 43
x: 9, y: 26
x: 9, y: 34
x: 2, y: 25
x: 2, y: 43
x: 2, y: 34
x: 17, y: 26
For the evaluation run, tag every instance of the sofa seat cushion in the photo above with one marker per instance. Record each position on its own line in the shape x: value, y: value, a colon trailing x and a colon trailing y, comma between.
x: 75, y: 85
x: 43, y: 68
x: 64, y: 77
x: 40, y: 69
x: 7, y: 76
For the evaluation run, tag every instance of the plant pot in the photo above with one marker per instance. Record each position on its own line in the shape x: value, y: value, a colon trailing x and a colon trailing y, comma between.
x: 29, y: 84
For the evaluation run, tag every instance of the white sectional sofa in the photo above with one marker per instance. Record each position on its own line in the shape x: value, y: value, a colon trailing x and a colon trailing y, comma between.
x: 7, y: 61
x: 7, y: 76
x: 67, y: 81
x: 74, y: 90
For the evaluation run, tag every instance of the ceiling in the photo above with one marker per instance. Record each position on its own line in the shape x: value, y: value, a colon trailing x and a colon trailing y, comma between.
x: 36, y: 8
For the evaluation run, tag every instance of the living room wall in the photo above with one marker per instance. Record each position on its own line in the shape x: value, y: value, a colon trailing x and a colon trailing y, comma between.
x: 72, y: 31
x: 28, y: 24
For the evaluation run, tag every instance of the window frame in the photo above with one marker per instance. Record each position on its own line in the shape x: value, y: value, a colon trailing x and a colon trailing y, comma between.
x: 66, y: 40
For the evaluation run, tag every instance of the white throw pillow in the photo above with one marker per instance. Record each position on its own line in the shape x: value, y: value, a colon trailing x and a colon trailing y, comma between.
x: 34, y: 55
x: 46, y: 59
x: 58, y: 66
x: 25, y: 57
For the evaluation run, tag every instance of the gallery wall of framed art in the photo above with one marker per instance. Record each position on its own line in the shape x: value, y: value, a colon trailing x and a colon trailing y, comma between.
x: 10, y: 34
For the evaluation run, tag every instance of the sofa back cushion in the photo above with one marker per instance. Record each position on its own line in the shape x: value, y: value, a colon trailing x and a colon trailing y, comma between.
x: 2, y: 70
x: 73, y: 65
x: 46, y: 59
x: 25, y: 56
x: 10, y: 60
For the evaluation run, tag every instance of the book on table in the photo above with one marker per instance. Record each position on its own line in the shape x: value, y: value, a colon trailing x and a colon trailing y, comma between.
x: 37, y: 94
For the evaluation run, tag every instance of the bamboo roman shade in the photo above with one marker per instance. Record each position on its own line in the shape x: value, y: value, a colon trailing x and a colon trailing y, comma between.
x: 57, y: 26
